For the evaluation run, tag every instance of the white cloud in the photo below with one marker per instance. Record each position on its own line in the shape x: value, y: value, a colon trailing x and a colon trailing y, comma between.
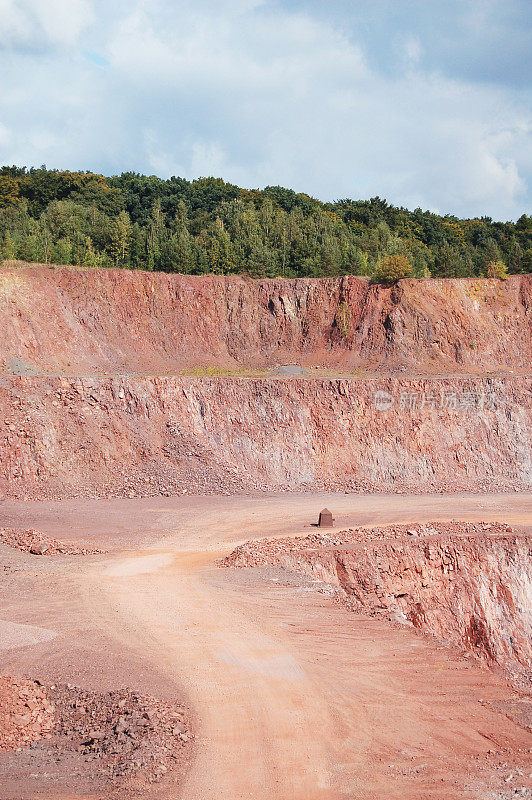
x: 40, y: 23
x: 217, y: 51
x: 412, y: 51
x: 5, y: 136
x: 259, y: 94
x: 201, y: 158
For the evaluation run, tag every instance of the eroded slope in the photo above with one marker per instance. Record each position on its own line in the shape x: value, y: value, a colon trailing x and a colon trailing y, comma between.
x: 74, y: 321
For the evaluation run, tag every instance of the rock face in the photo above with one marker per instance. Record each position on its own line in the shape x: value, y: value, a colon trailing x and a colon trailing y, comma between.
x: 466, y: 584
x: 148, y: 435
x: 131, y: 433
x: 73, y: 321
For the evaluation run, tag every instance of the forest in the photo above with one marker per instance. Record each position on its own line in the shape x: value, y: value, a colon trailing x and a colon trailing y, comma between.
x: 135, y: 221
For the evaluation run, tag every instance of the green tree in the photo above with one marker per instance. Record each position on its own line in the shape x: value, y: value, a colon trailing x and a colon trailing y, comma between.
x: 9, y: 249
x: 515, y: 256
x: 120, y: 238
x: 62, y: 251
x: 497, y: 269
x: 155, y: 235
x: 447, y: 263
x: 46, y: 240
x: 491, y: 254
x: 138, y: 221
x: 91, y: 258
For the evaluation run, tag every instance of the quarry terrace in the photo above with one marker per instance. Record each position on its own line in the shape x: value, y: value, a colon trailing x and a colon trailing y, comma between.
x: 264, y: 539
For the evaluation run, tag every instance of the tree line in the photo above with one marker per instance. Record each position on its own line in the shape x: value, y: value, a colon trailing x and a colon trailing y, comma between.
x: 135, y: 221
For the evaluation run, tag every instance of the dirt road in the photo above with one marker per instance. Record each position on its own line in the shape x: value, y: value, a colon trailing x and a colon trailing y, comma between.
x: 295, y: 697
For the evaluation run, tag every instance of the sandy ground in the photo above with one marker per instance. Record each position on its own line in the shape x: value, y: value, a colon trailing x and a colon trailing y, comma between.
x: 294, y: 697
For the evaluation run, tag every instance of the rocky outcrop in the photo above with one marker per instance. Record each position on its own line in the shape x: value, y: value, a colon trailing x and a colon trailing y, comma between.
x: 70, y: 321
x: 468, y: 584
x: 149, y: 435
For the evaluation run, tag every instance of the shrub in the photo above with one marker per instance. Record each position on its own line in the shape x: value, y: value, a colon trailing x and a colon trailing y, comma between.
x: 344, y: 319
x: 393, y: 268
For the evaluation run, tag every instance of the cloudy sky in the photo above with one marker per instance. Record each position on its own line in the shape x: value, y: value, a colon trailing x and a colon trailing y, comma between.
x: 424, y: 102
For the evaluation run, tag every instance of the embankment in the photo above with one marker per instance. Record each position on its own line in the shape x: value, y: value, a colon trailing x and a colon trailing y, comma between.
x: 140, y: 436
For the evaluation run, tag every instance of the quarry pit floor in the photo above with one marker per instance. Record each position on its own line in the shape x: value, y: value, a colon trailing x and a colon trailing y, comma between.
x: 292, y: 696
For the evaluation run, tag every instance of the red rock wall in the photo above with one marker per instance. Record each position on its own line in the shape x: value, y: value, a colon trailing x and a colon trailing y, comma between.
x: 466, y: 584
x: 73, y: 321
x: 107, y: 436
x: 125, y: 433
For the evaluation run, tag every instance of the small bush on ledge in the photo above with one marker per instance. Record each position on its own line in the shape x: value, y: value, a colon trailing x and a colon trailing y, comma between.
x: 393, y: 268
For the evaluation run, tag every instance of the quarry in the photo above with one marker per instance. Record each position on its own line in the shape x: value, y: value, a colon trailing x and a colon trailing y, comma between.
x: 174, y: 621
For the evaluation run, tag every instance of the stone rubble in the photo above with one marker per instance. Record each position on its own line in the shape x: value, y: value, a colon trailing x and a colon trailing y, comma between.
x: 29, y: 540
x: 122, y: 733
x: 26, y: 712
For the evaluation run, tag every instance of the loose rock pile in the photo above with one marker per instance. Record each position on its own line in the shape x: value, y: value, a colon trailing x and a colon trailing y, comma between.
x: 26, y: 713
x: 125, y: 732
x: 31, y: 541
x: 122, y: 733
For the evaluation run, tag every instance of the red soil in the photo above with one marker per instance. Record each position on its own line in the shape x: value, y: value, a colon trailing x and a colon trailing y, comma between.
x: 114, y: 736
x: 36, y: 543
x: 297, y: 695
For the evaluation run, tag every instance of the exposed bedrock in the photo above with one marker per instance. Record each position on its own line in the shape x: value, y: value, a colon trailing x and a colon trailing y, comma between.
x: 73, y: 321
x: 75, y: 436
x: 470, y: 585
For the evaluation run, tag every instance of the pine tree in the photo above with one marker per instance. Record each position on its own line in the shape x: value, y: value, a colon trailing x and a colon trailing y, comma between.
x: 447, y: 263
x: 515, y: 256
x: 120, y: 238
x: 491, y: 254
x: 9, y: 248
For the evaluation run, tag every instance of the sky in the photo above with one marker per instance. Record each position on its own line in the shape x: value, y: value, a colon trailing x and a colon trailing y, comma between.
x: 425, y: 103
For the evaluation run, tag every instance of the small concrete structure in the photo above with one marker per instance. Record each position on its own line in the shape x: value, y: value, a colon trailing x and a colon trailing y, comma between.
x: 326, y: 519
